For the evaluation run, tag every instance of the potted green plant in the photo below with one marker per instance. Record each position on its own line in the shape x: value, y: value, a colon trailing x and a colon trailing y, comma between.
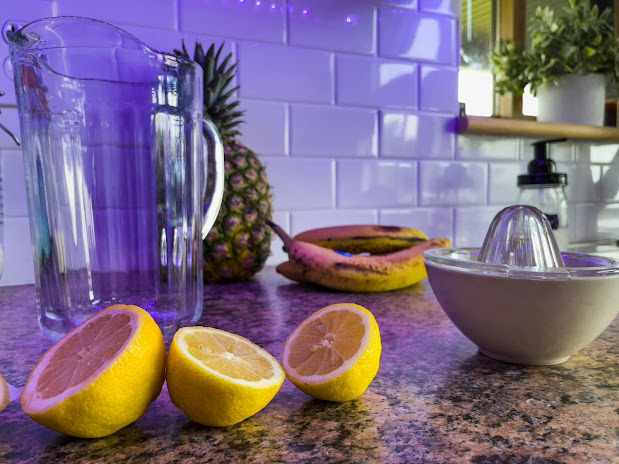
x: 570, y: 60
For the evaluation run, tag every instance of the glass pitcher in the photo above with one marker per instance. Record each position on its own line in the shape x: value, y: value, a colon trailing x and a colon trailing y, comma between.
x: 116, y: 169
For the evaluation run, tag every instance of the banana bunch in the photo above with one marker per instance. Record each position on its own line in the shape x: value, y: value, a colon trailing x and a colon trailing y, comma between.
x: 325, y: 257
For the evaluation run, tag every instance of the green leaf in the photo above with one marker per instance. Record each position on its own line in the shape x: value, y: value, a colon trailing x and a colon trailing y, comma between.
x: 589, y: 52
x: 580, y: 41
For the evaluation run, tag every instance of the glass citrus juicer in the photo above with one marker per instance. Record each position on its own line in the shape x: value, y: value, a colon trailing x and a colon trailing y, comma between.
x: 519, y: 298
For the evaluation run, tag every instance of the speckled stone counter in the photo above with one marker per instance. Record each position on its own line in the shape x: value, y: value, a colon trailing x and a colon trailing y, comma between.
x: 434, y: 400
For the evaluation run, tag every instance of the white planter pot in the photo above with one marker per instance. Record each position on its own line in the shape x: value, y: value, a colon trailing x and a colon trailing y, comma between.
x: 580, y: 100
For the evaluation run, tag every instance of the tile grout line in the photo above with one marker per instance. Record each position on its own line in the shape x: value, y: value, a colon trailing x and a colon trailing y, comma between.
x: 288, y: 130
x: 336, y: 167
x: 286, y: 23
x: 376, y: 31
x: 334, y: 79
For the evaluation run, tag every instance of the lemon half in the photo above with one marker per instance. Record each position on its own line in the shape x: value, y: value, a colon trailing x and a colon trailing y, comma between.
x: 218, y: 378
x: 99, y: 377
x: 335, y: 353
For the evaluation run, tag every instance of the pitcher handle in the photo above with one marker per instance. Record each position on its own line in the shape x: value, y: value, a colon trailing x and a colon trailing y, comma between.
x: 216, y: 192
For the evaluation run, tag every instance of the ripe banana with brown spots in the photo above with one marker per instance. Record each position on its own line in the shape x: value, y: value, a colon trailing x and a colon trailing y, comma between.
x: 309, y: 262
x: 373, y: 239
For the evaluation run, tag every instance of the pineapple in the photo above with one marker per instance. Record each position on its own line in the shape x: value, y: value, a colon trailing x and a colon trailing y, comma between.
x: 239, y: 243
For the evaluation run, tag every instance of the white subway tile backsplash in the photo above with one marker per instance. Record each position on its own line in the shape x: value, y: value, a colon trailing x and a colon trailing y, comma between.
x: 420, y: 136
x: 21, y: 13
x: 439, y: 89
x: 262, y: 21
x: 487, y: 147
x: 588, y: 153
x: 452, y: 183
x: 305, y: 220
x: 583, y: 183
x: 416, y: 36
x: 345, y: 25
x: 434, y: 222
x: 13, y: 184
x: 301, y: 183
x: 412, y: 4
x: 586, y: 220
x: 373, y: 184
x: 609, y: 184
x: 440, y: 6
x: 151, y: 13
x: 7, y: 86
x: 278, y: 255
x: 608, y: 153
x: 375, y: 82
x: 559, y: 152
x: 503, y: 183
x: 472, y: 225
x: 607, y: 223
x: 333, y: 131
x: 285, y: 73
x: 570, y: 223
x: 18, y: 264
x: 163, y: 40
x: 168, y: 41
x: 266, y: 127
x: 582, y: 152
x: 9, y: 119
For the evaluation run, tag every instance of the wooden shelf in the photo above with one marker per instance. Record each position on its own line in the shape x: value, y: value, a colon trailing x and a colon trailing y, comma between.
x: 529, y: 128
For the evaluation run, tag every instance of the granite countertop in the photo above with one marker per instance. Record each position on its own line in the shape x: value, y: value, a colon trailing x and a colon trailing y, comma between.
x: 435, y: 398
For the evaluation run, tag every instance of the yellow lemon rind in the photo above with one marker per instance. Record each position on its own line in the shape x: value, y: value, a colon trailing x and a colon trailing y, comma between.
x: 210, y: 398
x: 116, y: 396
x: 351, y: 379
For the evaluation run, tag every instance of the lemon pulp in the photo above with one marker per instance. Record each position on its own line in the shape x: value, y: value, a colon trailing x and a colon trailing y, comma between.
x: 335, y: 353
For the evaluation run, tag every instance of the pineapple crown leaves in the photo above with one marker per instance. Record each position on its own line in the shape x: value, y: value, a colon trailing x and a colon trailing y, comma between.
x: 218, y: 76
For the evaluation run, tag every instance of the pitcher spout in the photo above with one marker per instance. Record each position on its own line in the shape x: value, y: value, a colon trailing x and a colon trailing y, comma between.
x: 70, y: 31
x: 88, y: 49
x: 19, y: 41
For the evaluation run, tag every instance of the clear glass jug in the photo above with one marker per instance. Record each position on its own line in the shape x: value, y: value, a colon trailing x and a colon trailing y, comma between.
x: 116, y: 169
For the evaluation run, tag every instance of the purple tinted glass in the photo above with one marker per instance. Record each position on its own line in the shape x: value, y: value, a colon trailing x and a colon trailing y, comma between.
x: 115, y: 172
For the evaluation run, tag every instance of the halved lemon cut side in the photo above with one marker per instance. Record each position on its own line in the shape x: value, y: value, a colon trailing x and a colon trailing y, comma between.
x: 334, y: 354
x: 99, y: 377
x: 218, y: 378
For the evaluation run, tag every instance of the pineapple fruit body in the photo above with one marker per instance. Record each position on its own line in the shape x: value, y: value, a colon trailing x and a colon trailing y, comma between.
x: 239, y: 243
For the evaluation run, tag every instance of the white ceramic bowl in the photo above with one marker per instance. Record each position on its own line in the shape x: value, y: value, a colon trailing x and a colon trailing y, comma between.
x: 526, y: 315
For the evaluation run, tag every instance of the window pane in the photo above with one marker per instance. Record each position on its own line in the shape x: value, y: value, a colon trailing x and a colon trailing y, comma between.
x: 476, y: 91
x: 475, y: 79
x: 476, y: 36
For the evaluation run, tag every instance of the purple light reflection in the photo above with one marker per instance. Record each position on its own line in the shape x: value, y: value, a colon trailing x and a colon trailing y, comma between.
x: 352, y: 19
